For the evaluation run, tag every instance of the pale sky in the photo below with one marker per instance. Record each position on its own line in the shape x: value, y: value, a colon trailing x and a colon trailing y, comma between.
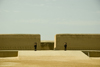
x: 49, y: 17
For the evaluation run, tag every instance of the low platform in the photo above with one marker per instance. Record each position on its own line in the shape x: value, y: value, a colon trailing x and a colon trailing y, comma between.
x: 92, y: 53
x: 50, y: 58
x: 8, y: 53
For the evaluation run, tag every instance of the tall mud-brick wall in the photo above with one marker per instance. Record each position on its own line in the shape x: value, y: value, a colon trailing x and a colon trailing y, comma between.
x: 78, y: 41
x: 19, y: 41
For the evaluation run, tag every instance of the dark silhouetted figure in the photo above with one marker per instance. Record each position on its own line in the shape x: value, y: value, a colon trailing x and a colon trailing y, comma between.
x: 65, y: 45
x: 35, y: 46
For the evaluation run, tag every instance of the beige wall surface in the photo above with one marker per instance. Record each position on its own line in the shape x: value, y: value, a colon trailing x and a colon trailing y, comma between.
x: 47, y: 45
x: 19, y: 41
x: 78, y: 41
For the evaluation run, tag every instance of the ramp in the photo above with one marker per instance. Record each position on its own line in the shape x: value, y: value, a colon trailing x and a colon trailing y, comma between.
x: 49, y: 53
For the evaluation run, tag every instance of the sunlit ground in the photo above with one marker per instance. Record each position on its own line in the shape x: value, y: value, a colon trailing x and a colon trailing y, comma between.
x: 58, y: 58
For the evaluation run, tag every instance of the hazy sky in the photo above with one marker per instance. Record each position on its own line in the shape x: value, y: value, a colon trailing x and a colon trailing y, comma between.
x: 49, y: 17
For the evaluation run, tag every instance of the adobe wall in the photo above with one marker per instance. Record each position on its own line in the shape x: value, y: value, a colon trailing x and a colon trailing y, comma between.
x: 19, y: 41
x: 78, y: 41
x: 47, y: 45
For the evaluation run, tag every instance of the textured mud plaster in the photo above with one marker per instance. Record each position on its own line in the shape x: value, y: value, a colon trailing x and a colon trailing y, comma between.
x: 78, y: 41
x: 19, y: 41
x: 47, y: 45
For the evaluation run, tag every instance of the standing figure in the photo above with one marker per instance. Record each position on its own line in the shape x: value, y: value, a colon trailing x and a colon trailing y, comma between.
x: 35, y: 46
x: 65, y: 45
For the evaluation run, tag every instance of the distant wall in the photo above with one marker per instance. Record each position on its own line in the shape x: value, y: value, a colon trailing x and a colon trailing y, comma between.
x: 19, y: 41
x: 47, y: 45
x: 78, y: 41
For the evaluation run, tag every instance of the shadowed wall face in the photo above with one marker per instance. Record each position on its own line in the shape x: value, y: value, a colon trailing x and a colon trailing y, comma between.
x: 47, y: 45
x: 92, y: 53
x: 8, y: 53
x: 78, y: 41
x: 19, y: 41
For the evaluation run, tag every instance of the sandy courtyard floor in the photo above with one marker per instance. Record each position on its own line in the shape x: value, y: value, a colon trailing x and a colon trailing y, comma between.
x: 58, y: 58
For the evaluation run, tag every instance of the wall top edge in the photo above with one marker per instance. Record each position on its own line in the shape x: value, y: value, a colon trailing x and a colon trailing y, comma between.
x: 19, y: 34
x: 77, y: 34
x: 47, y: 41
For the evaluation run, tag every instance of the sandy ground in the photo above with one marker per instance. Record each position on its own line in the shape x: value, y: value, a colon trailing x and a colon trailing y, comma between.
x: 50, y: 59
